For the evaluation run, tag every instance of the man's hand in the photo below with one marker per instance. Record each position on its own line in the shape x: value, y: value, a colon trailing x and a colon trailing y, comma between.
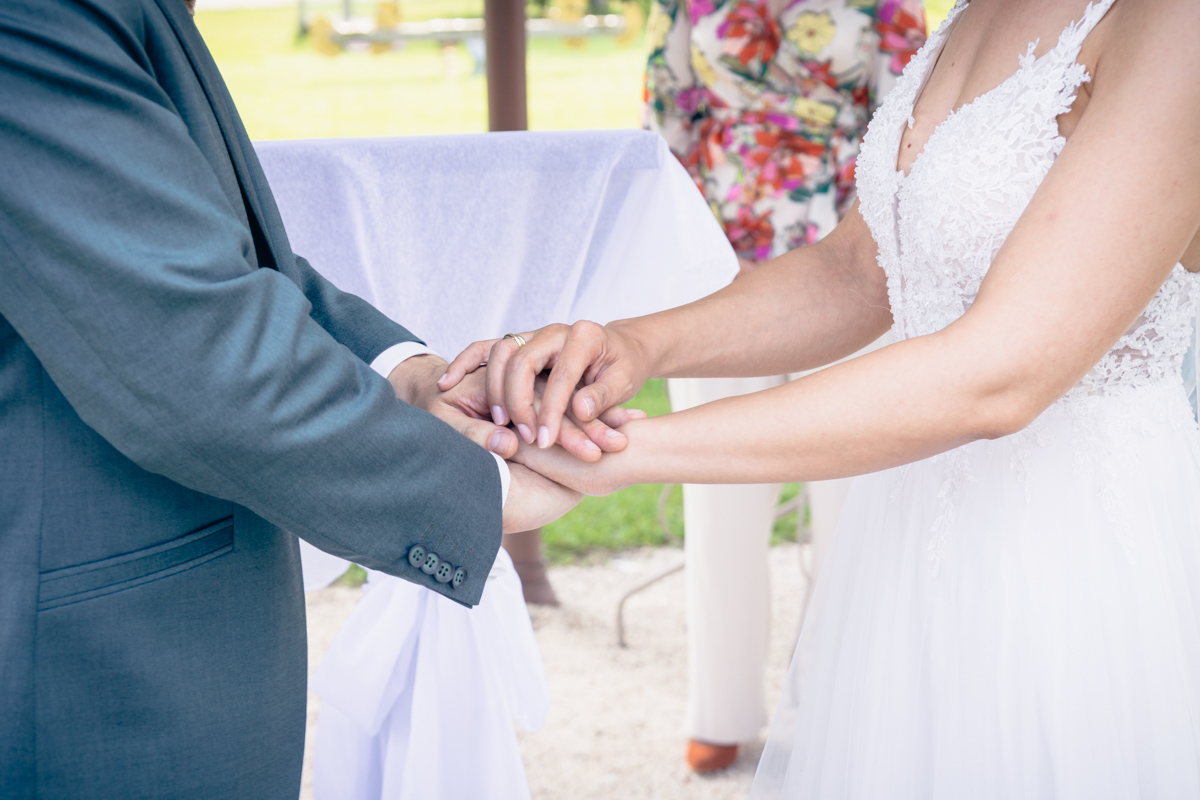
x: 535, y: 500
x: 602, y: 363
x: 464, y: 407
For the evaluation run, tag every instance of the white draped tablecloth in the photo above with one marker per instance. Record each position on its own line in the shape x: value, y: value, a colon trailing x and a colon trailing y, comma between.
x: 461, y: 238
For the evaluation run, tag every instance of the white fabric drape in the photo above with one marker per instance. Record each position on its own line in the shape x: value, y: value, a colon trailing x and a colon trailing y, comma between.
x: 462, y: 238
x: 419, y: 694
x: 467, y: 237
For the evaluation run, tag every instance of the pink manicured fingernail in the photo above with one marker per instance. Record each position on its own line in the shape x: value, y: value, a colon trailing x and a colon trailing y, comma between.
x: 590, y: 445
x: 637, y: 413
x: 498, y: 416
x: 526, y: 434
x: 589, y: 406
x: 496, y: 442
x: 543, y: 437
x: 444, y: 376
x: 611, y: 434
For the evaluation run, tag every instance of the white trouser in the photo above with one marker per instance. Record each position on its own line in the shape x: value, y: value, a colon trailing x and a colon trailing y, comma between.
x: 728, y: 595
x: 728, y: 530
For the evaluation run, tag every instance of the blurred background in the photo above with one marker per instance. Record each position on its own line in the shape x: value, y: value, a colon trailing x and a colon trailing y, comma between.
x: 297, y: 71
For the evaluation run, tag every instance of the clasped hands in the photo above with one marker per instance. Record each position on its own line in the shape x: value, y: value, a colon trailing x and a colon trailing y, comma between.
x: 550, y: 408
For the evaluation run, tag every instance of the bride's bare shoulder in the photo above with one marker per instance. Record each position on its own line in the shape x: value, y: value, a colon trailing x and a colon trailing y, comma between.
x: 1144, y: 99
x: 1146, y: 72
x: 1154, y: 38
x: 1160, y: 59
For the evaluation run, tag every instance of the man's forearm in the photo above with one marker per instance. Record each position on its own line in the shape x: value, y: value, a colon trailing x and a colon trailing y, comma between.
x: 349, y: 319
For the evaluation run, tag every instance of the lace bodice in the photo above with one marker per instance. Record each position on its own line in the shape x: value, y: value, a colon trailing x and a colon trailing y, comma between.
x: 939, y: 227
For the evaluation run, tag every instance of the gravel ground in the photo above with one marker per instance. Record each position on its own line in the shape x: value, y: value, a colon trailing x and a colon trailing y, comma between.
x: 616, y: 720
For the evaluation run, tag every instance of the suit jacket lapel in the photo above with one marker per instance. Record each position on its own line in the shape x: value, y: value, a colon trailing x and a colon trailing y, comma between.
x: 222, y: 105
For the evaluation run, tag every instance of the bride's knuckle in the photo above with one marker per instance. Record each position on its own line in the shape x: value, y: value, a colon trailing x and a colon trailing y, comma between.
x: 588, y: 331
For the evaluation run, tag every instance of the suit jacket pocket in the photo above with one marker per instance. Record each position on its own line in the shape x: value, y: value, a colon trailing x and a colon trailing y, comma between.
x: 61, y: 587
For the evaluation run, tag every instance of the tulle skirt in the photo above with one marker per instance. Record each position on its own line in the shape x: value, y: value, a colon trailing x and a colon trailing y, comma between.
x: 1018, y: 618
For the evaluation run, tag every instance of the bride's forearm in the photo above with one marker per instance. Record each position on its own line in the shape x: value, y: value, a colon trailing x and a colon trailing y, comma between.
x: 905, y: 402
x: 803, y: 310
x: 807, y: 308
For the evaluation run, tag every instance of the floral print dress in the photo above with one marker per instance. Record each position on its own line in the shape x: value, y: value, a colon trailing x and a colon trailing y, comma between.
x: 767, y: 110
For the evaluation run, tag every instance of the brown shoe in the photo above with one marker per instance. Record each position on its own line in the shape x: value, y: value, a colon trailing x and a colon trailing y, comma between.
x: 534, y: 583
x: 705, y: 757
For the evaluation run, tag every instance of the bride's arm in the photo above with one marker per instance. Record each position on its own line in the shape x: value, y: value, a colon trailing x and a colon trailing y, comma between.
x: 805, y: 309
x: 1119, y: 208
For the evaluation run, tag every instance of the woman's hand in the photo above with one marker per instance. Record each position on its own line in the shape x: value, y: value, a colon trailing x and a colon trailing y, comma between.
x: 596, y: 479
x: 534, y: 500
x: 807, y: 308
x: 465, y: 407
x: 594, y: 368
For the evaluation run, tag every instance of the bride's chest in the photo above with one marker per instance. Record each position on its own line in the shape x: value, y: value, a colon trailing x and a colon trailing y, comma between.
x: 973, y: 180
x: 940, y: 226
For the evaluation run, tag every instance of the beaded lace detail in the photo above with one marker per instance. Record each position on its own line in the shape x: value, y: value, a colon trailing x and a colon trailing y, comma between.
x: 939, y: 228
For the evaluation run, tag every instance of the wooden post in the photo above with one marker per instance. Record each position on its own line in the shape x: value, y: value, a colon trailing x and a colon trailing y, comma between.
x: 504, y: 33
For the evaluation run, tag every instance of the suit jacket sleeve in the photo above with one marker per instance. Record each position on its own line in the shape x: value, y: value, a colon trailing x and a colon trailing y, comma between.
x: 127, y: 271
x: 352, y: 321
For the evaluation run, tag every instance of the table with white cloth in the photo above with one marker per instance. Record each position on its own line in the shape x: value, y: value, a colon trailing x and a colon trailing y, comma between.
x: 461, y: 238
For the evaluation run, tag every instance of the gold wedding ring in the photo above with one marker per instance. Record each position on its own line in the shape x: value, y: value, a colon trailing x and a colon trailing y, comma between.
x: 516, y: 337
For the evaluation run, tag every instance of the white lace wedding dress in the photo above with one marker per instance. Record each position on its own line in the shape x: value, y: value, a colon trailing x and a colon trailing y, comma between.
x: 1017, y: 618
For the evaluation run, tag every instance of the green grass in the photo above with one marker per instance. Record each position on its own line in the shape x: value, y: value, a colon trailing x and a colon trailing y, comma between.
x: 629, y: 518
x: 354, y: 577
x: 285, y: 90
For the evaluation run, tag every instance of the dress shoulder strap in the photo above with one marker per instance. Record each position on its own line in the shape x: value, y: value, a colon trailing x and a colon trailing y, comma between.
x: 1074, y: 34
x: 1061, y: 66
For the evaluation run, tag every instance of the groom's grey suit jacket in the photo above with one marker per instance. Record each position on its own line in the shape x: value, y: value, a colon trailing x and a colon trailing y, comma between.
x: 177, y: 388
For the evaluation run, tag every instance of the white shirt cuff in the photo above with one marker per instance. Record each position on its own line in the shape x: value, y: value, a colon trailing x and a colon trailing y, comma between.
x: 391, y: 358
x: 505, y: 478
x: 397, y: 354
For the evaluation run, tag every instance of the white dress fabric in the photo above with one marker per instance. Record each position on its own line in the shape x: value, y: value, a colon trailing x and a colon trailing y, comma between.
x: 1017, y: 618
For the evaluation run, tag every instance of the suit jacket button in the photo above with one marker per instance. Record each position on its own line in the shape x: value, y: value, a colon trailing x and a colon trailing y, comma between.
x: 416, y: 556
x: 444, y: 571
x: 460, y: 577
x: 431, y: 564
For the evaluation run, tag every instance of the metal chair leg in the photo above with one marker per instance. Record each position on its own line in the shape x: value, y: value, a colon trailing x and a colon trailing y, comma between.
x: 640, y: 587
x: 664, y: 498
x: 795, y: 505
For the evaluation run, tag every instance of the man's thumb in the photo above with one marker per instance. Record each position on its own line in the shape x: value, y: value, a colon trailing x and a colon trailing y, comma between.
x: 500, y: 441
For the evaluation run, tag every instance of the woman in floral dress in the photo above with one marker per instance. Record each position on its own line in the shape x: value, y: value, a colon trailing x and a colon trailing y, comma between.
x: 765, y: 102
